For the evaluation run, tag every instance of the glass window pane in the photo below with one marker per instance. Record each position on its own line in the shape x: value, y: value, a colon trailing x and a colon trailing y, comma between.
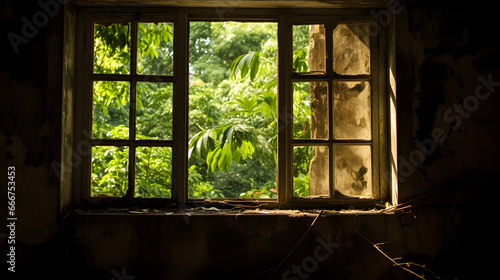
x: 109, y: 171
x: 253, y: 177
x: 352, y: 110
x: 310, y: 110
x: 309, y: 48
x: 154, y: 111
x: 112, y: 48
x: 110, y: 110
x: 311, y: 172
x: 353, y: 170
x: 155, y: 48
x: 351, y: 49
x: 153, y: 172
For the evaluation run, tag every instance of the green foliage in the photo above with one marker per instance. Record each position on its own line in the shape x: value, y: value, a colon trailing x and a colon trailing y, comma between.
x: 153, y: 172
x: 266, y: 191
x: 109, y: 171
x: 223, y: 145
x: 110, y: 108
x: 300, y: 48
x: 156, y: 49
x: 301, y: 185
x: 233, y: 146
x: 246, y: 64
x: 300, y: 60
x: 302, y: 157
x: 200, y: 187
x: 301, y: 110
x: 112, y: 49
x: 154, y: 110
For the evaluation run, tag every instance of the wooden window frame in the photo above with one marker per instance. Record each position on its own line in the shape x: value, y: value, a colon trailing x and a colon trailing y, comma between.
x: 329, y: 77
x: 383, y: 150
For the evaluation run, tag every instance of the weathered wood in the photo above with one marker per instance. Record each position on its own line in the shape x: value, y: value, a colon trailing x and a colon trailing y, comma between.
x: 321, y: 173
x: 284, y: 180
x: 239, y: 4
x: 180, y: 111
x: 132, y: 112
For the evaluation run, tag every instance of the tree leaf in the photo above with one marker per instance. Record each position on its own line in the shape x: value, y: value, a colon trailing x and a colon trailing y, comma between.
x: 139, y: 103
x: 254, y: 65
x: 213, y: 158
x: 226, y: 158
x: 234, y: 66
x: 244, y: 64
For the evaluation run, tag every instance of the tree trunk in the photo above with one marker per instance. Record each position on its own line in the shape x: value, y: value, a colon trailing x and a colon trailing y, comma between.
x: 319, y: 181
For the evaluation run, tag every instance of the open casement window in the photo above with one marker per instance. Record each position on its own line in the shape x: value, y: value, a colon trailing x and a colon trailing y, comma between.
x: 336, y: 143
x: 323, y: 94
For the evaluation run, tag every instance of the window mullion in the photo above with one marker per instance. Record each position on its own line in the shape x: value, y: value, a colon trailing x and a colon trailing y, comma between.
x: 132, y: 112
x: 329, y: 70
x: 285, y: 187
x: 180, y: 110
x: 110, y: 77
x: 379, y: 115
x: 83, y: 128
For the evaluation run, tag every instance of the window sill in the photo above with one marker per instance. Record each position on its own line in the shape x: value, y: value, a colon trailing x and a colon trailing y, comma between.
x: 212, y: 211
x: 207, y: 206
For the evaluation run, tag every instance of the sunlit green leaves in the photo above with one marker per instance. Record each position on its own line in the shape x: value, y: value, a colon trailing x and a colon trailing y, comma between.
x: 202, y: 142
x: 245, y: 64
x: 232, y: 88
x: 155, y: 48
x: 109, y: 171
x: 310, y: 99
x: 154, y: 110
x: 199, y: 187
x: 223, y: 145
x: 257, y: 192
x: 112, y: 48
x: 110, y: 109
x: 302, y: 157
x: 301, y: 42
x: 300, y: 60
x: 301, y: 185
x: 301, y: 110
x: 153, y: 172
x: 246, y: 106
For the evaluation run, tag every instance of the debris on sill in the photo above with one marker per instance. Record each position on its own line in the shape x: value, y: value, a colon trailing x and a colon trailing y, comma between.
x: 210, y: 209
x: 186, y: 210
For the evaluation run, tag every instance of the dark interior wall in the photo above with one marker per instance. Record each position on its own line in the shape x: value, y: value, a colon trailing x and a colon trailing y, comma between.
x: 30, y: 133
x: 448, y: 92
x: 448, y: 100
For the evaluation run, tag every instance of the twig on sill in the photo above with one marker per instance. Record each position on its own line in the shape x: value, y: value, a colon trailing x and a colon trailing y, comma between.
x: 389, y: 258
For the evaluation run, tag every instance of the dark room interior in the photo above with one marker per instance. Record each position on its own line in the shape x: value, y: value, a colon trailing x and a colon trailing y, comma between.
x: 405, y: 193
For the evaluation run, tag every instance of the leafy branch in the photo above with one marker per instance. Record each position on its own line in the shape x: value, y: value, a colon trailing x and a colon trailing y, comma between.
x: 223, y: 144
x: 246, y: 64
